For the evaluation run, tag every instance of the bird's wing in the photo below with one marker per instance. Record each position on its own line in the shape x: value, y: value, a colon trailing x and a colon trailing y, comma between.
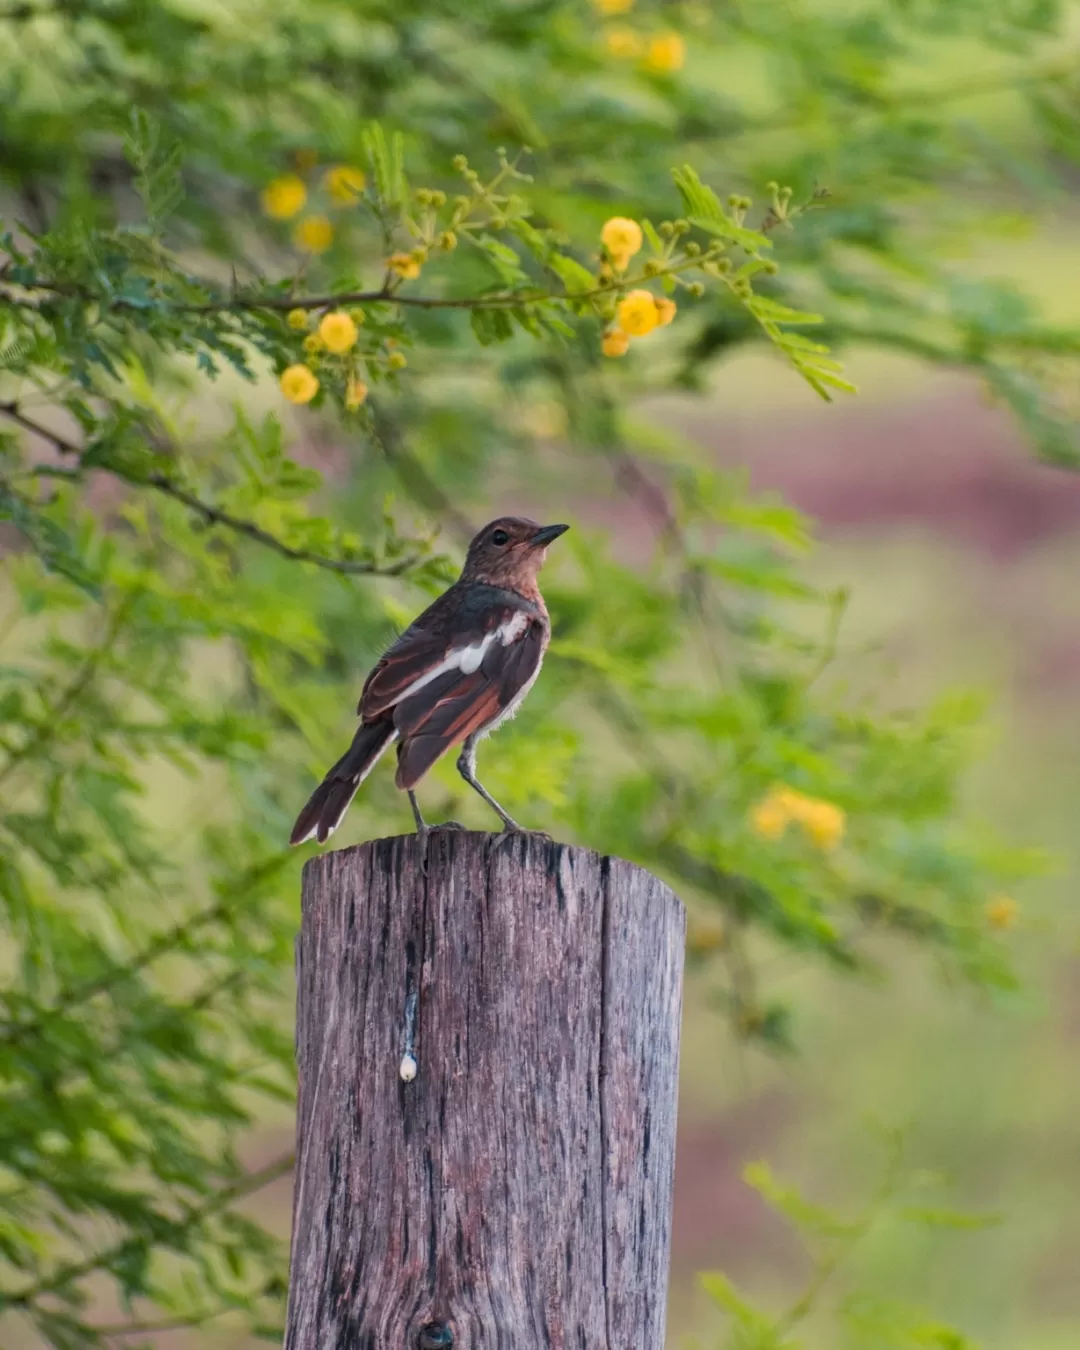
x: 453, y: 634
x: 465, y: 697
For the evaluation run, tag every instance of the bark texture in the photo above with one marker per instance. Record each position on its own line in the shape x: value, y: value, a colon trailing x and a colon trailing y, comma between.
x: 516, y: 1194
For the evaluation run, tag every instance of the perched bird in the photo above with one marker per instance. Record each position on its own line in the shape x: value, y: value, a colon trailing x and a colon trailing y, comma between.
x: 456, y: 672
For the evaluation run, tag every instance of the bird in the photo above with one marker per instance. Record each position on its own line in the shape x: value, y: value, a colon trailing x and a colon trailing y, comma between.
x: 459, y: 670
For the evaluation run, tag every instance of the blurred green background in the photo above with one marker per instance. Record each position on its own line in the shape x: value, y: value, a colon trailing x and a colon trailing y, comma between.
x: 170, y: 684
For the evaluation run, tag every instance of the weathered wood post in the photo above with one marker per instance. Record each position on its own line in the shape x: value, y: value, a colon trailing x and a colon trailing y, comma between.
x: 516, y: 1193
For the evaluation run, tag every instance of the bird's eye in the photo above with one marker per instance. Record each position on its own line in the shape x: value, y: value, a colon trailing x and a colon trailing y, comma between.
x: 500, y: 537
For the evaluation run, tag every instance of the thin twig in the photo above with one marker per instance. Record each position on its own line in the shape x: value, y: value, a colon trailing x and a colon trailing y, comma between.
x: 244, y: 1186
x: 827, y: 1269
x: 384, y: 295
x: 17, y: 1032
x: 123, y: 1329
x: 46, y: 727
x: 212, y: 515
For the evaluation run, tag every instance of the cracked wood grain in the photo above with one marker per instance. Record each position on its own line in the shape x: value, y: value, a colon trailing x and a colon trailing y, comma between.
x: 516, y: 1195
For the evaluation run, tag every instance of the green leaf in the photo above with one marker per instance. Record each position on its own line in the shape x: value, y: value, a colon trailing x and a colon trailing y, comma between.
x: 704, y: 210
x: 491, y: 326
x: 577, y: 279
x: 386, y: 155
x: 787, y: 1200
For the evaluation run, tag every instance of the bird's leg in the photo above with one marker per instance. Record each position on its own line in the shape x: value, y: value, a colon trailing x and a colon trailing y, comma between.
x: 421, y: 825
x: 467, y: 768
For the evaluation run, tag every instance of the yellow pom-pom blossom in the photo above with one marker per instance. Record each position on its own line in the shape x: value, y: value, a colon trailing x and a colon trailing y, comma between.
x: 1002, y: 912
x: 313, y: 343
x: 404, y: 265
x: 666, y: 54
x: 284, y: 197
x: 822, y: 821
x: 344, y: 184
x: 615, y: 342
x: 609, y: 7
x: 356, y: 392
x: 313, y: 235
x: 770, y: 817
x: 298, y: 319
x: 622, y: 239
x: 637, y: 313
x: 623, y: 43
x: 338, y: 331
x: 299, y: 384
x: 397, y: 361
x: 665, y: 310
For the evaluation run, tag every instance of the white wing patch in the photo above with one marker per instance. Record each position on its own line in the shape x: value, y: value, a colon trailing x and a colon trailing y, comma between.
x: 468, y: 659
x: 513, y: 628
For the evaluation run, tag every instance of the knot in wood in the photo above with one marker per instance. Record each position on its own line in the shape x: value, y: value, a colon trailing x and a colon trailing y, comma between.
x: 435, y: 1336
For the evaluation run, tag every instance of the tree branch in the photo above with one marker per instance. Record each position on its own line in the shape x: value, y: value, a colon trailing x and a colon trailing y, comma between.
x: 212, y: 515
x: 17, y: 1032
x: 46, y: 728
x: 242, y: 1187
x: 384, y: 295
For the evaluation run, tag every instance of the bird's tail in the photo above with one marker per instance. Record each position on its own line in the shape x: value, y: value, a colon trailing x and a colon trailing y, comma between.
x: 330, y: 800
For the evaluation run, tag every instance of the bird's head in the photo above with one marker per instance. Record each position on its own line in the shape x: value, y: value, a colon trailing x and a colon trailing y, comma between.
x: 509, y: 552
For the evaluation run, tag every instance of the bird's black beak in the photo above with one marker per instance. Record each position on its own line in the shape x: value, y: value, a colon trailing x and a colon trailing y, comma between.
x: 547, y: 534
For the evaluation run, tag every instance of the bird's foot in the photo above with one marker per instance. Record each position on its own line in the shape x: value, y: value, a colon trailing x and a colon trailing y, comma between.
x: 425, y: 831
x: 512, y: 830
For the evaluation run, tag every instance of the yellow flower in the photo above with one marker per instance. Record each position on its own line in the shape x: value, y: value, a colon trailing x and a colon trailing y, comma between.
x: 665, y: 310
x: 448, y: 240
x: 1002, y: 912
x: 313, y: 343
x: 356, y: 392
x: 313, y: 235
x: 298, y: 318
x: 623, y: 43
x: 284, y: 197
x: 404, y: 265
x: 615, y: 342
x: 344, y: 183
x: 299, y: 384
x: 396, y: 361
x: 622, y: 239
x: 770, y: 817
x: 610, y: 7
x: 338, y: 331
x: 666, y: 54
x: 822, y: 821
x: 637, y: 313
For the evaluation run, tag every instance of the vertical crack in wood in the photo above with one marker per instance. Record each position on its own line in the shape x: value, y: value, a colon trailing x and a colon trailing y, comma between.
x: 601, y: 1088
x: 419, y: 976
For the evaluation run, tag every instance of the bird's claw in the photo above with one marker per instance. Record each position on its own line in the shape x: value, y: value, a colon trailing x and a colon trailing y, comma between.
x: 511, y: 830
x: 424, y: 833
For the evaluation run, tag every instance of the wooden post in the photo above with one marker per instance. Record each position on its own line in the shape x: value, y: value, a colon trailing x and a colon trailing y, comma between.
x: 515, y: 1194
